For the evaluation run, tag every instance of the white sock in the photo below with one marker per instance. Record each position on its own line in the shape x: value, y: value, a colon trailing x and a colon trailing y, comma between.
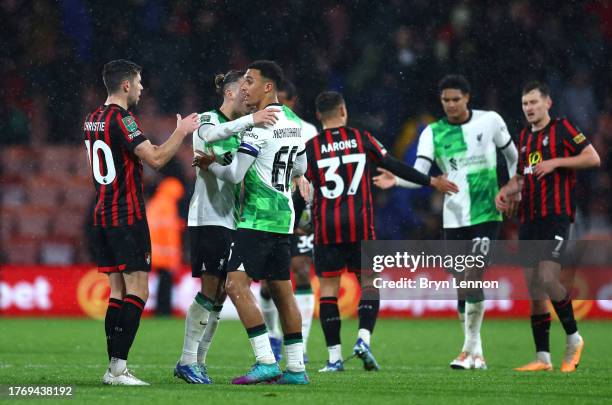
x: 209, y: 333
x: 365, y: 335
x: 544, y: 357
x: 295, y: 356
x: 262, y: 349
x: 270, y: 315
x: 195, y: 323
x: 335, y: 353
x: 573, y: 339
x: 306, y: 303
x: 117, y: 366
x: 474, y: 313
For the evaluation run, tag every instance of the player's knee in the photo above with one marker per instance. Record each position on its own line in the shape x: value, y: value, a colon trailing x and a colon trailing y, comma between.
x: 234, y: 289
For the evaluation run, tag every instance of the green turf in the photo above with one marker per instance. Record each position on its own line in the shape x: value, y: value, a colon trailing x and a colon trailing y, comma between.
x: 414, y: 355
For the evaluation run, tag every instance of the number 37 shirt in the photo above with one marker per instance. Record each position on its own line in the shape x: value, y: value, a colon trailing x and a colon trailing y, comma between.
x: 111, y: 133
x: 339, y: 162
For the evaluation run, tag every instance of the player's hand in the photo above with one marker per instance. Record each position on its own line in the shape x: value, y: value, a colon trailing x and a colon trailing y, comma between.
x: 545, y: 167
x: 188, y: 124
x: 385, y: 179
x: 507, y: 204
x: 444, y: 185
x: 304, y: 186
x: 266, y: 117
x: 202, y: 160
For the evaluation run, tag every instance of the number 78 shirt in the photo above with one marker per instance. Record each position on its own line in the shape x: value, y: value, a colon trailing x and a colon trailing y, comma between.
x: 339, y: 162
x: 266, y: 203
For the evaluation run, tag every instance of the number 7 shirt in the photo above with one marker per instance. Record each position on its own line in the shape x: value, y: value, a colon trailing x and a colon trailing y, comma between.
x: 339, y: 162
x: 111, y: 134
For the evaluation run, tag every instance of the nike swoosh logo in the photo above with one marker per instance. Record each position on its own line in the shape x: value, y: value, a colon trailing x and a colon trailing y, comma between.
x: 203, y: 323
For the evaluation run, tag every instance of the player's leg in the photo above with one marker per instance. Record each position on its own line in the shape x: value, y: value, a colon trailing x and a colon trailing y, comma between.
x: 557, y: 232
x: 329, y: 265
x: 281, y: 289
x: 209, y: 250
x: 132, y: 249
x: 482, y: 238
x: 213, y: 321
x: 300, y: 267
x: 270, y: 314
x: 367, y: 311
x: 329, y: 315
x: 251, y: 248
x: 128, y: 322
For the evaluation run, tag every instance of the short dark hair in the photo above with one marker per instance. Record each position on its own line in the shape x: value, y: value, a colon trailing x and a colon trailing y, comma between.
x: 458, y: 82
x: 224, y: 80
x: 116, y: 71
x: 289, y: 88
x: 536, y: 85
x: 328, y: 101
x: 270, y: 70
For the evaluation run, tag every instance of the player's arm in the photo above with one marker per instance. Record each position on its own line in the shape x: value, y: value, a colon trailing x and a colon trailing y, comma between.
x: 209, y: 132
x: 400, y: 169
x: 509, y: 196
x: 503, y: 142
x: 582, y: 154
x: 235, y: 171
x: 157, y: 156
x: 300, y: 167
x: 424, y: 160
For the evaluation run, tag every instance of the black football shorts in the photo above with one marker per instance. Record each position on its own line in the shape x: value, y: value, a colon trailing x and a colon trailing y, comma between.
x: 123, y: 248
x: 210, y: 248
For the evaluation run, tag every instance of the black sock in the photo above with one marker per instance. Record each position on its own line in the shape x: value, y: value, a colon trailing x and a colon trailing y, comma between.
x: 540, y: 327
x: 110, y: 321
x: 127, y: 326
x: 368, y: 310
x: 330, y: 320
x: 565, y: 312
x: 461, y: 306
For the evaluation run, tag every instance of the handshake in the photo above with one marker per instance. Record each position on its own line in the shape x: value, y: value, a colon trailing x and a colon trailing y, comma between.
x: 203, y: 160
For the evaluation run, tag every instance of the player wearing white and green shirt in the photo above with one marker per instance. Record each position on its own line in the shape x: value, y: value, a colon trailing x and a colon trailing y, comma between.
x: 464, y: 146
x: 267, y: 161
x: 212, y: 218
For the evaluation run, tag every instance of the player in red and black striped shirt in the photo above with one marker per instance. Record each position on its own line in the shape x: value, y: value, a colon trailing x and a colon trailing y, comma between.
x: 550, y: 152
x: 340, y: 159
x: 115, y: 147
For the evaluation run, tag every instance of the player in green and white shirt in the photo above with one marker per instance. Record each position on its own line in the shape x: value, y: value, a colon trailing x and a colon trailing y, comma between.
x: 301, y: 249
x: 267, y: 161
x: 464, y: 145
x: 212, y: 212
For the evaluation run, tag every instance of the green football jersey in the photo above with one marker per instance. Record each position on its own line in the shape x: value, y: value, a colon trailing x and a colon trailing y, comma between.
x: 267, y: 204
x: 214, y: 201
x: 467, y: 153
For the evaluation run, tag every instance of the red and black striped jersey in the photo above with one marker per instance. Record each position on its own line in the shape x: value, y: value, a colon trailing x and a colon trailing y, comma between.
x: 111, y: 133
x: 339, y: 163
x: 553, y: 195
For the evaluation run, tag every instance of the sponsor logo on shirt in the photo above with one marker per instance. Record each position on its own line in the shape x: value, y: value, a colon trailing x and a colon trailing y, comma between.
x: 535, y: 158
x: 578, y: 139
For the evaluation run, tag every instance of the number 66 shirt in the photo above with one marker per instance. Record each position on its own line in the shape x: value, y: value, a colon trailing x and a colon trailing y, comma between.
x: 111, y: 133
x: 339, y: 161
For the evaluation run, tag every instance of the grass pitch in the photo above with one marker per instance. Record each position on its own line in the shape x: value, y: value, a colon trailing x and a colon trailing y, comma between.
x: 413, y: 354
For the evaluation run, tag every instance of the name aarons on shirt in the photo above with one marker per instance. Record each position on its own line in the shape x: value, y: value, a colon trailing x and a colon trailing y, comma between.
x: 94, y: 126
x: 336, y: 146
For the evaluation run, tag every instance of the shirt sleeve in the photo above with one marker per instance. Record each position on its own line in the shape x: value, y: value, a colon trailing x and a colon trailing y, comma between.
x: 424, y: 158
x: 375, y: 149
x: 129, y: 132
x: 501, y: 136
x: 235, y: 171
x: 573, y: 139
x: 252, y: 142
x: 212, y: 130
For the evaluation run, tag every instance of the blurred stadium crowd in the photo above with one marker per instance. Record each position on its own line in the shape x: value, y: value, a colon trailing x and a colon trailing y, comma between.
x: 386, y: 57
